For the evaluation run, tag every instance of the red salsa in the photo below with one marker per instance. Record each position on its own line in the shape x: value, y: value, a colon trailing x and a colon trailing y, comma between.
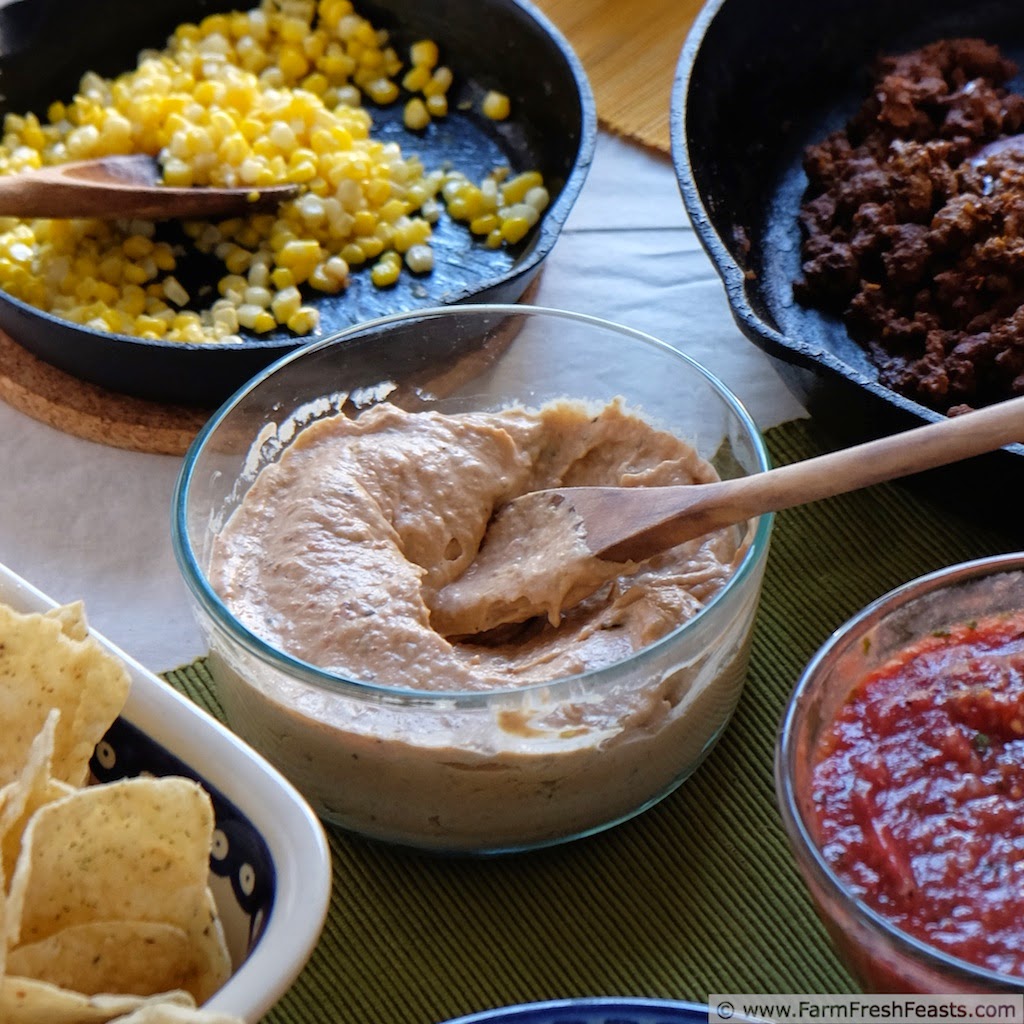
x: 919, y: 791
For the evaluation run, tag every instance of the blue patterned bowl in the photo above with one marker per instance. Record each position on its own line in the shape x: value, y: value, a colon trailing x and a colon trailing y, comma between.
x: 593, y: 1011
x: 270, y: 869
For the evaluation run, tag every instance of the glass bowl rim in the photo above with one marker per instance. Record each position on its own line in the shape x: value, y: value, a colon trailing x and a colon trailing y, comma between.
x: 308, y: 673
x: 803, y: 846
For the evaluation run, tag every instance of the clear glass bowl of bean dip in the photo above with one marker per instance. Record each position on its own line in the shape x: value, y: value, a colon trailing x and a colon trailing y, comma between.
x: 900, y: 779
x: 322, y: 508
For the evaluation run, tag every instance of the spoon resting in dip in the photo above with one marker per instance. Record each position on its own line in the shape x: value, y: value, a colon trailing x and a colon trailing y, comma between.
x: 547, y: 550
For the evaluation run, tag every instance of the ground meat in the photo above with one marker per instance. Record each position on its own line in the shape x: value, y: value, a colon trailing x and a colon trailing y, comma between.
x: 916, y: 237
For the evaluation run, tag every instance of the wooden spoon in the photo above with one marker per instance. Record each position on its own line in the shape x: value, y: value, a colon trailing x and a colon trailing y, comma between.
x: 544, y: 536
x: 125, y: 186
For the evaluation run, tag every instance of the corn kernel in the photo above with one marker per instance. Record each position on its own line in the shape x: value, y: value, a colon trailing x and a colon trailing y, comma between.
x: 285, y: 304
x: 385, y: 272
x: 416, y: 78
x: 440, y: 82
x: 424, y: 53
x: 420, y: 259
x: 496, y: 106
x: 415, y: 116
x: 484, y: 224
x: 304, y: 320
x: 174, y: 291
x: 382, y: 91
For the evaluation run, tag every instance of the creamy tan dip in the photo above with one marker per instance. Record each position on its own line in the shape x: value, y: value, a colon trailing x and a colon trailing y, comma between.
x: 337, y: 555
x: 339, y: 550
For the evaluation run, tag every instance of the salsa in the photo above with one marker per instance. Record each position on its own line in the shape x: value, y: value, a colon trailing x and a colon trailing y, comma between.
x: 919, y: 791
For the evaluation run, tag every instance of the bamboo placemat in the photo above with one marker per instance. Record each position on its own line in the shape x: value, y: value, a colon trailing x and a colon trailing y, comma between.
x: 629, y: 49
x: 699, y: 894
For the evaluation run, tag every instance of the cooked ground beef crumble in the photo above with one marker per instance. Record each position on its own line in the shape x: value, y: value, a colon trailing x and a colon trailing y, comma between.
x: 915, y: 237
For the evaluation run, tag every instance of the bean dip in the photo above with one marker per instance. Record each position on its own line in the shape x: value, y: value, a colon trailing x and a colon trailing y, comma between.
x: 336, y: 555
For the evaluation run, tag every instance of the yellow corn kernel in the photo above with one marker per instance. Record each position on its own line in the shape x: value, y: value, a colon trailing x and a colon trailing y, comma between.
x: 415, y: 116
x: 514, y: 229
x: 293, y: 62
x: 385, y: 272
x: 298, y: 252
x: 420, y: 259
x: 424, y: 53
x: 232, y: 285
x: 174, y: 291
x: 282, y: 278
x: 496, y: 106
x: 382, y: 91
x: 150, y: 326
x: 377, y: 191
x: 437, y: 105
x: 163, y: 256
x: 255, y: 318
x: 285, y: 304
x: 304, y: 320
x: 484, y: 224
x: 364, y: 222
x: 177, y: 173
x: 352, y: 254
x: 440, y: 82
x: 514, y: 190
x: 135, y: 247
x: 416, y: 78
x: 371, y: 246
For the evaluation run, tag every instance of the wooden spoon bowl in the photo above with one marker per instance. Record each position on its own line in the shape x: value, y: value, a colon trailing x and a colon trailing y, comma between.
x: 113, y: 187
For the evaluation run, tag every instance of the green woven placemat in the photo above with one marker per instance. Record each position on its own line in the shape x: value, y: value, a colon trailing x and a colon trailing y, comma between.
x: 699, y: 894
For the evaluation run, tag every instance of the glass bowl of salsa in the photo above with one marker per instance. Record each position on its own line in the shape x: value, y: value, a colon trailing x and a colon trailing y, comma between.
x: 900, y: 779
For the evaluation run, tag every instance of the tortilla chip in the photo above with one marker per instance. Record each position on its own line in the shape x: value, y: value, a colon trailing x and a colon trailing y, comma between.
x: 169, y: 1013
x: 141, y: 958
x: 20, y: 799
x: 72, y: 619
x: 24, y: 1001
x: 105, y: 903
x: 133, y: 850
x: 42, y: 667
x: 211, y: 961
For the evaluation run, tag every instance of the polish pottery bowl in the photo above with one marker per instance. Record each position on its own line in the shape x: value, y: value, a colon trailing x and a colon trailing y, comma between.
x: 897, y: 782
x: 456, y: 764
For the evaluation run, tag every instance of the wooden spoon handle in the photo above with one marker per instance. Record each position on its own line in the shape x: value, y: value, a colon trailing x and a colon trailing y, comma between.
x: 681, y: 513
x: 887, y: 458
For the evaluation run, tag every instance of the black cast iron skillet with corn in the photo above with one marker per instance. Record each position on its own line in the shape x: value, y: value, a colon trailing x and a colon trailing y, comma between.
x: 507, y: 45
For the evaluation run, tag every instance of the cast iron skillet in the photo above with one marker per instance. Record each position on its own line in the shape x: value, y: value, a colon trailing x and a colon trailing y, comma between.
x: 755, y: 84
x: 46, y: 45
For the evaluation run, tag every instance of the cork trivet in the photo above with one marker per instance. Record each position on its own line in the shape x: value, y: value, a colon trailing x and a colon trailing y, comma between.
x: 84, y: 410
x: 630, y: 52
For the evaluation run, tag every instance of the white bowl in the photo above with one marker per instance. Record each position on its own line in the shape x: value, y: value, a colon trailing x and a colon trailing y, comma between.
x: 271, y: 869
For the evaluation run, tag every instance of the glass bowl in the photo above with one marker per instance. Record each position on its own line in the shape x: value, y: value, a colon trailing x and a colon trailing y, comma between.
x: 444, y: 771
x: 881, y: 956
